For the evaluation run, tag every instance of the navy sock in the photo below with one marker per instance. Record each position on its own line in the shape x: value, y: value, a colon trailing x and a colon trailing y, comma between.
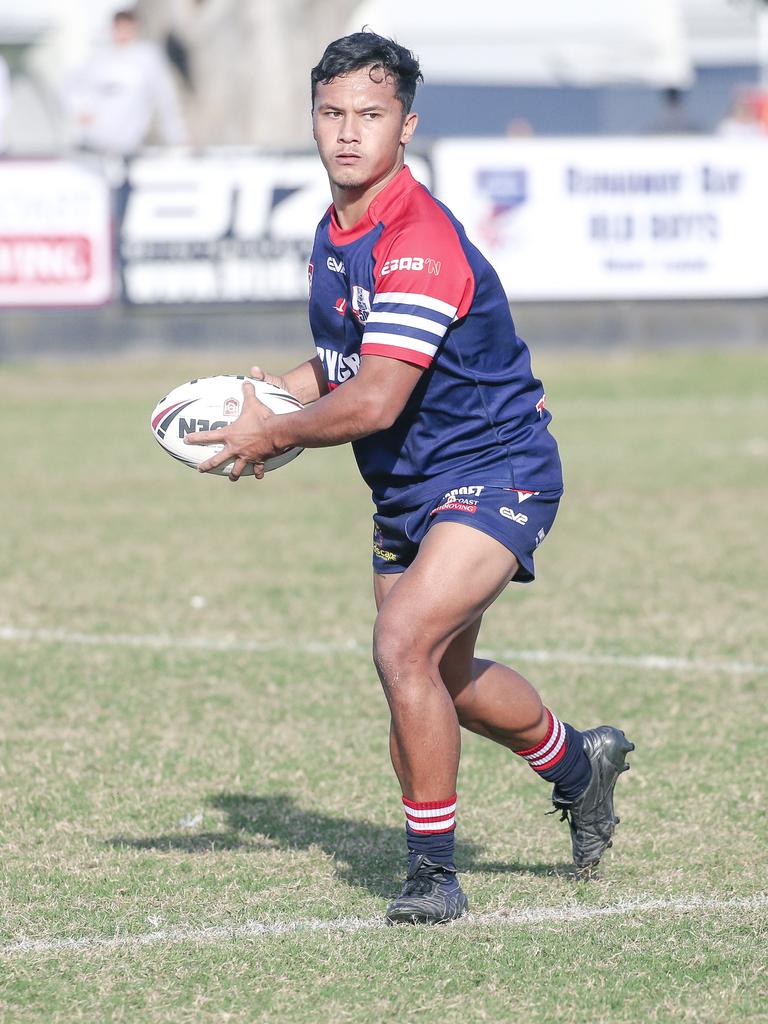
x: 431, y: 828
x: 560, y: 758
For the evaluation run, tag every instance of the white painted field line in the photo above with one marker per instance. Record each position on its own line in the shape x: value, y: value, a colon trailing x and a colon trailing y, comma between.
x: 654, y: 662
x: 513, y: 918
x: 649, y: 662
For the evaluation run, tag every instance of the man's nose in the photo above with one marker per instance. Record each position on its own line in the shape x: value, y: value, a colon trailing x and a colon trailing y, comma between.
x: 349, y: 129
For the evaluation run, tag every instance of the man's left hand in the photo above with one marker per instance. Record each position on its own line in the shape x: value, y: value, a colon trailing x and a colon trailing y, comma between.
x: 246, y: 440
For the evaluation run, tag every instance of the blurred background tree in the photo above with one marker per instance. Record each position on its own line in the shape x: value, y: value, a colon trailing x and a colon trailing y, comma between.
x: 245, y: 63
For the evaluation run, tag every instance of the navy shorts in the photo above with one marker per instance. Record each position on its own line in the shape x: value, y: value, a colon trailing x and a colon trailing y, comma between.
x: 520, y: 520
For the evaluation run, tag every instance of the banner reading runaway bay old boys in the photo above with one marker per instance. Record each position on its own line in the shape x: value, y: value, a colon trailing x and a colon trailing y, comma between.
x: 613, y: 218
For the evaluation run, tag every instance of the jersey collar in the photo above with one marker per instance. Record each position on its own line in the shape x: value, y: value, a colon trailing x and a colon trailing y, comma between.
x: 381, y: 202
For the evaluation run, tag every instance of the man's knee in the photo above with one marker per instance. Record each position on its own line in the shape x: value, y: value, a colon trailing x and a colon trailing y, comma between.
x: 399, y: 651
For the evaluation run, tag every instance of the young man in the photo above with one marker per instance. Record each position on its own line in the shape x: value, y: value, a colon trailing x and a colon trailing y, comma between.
x: 419, y: 366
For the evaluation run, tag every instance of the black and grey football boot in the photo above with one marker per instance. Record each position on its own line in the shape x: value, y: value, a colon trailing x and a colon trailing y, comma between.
x: 591, y: 816
x: 431, y: 894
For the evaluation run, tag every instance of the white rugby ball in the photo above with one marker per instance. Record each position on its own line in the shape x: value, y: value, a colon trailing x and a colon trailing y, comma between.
x: 209, y: 403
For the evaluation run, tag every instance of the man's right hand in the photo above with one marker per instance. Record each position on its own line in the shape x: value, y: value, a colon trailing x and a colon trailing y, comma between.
x: 306, y: 381
x: 270, y: 378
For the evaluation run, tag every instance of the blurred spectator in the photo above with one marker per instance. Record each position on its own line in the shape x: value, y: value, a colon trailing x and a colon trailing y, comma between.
x: 519, y: 127
x: 743, y: 120
x: 673, y: 118
x: 5, y: 101
x: 118, y: 94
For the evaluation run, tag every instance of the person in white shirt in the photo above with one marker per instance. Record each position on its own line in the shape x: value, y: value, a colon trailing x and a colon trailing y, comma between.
x: 121, y: 91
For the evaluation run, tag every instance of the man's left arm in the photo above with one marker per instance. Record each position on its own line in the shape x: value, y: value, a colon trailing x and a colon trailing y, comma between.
x: 363, y: 405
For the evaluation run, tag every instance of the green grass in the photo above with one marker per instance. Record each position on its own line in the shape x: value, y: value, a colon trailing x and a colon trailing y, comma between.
x: 153, y: 788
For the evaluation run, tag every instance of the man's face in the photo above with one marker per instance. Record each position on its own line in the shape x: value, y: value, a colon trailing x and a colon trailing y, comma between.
x: 359, y: 127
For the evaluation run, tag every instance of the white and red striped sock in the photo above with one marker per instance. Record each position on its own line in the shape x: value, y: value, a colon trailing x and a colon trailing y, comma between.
x: 430, y: 828
x: 551, y: 750
x: 560, y: 758
x: 431, y: 817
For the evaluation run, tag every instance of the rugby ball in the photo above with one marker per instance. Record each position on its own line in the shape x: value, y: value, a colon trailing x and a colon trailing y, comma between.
x: 209, y: 403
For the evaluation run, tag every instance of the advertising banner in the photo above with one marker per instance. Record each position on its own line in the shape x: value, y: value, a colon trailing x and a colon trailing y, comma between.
x: 55, y: 234
x: 613, y: 218
x: 223, y: 228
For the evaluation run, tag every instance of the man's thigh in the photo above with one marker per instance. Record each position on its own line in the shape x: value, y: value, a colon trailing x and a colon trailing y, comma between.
x: 457, y: 662
x: 457, y: 573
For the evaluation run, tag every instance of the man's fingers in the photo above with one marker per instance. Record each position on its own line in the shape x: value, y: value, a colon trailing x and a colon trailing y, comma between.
x: 250, y: 400
x: 258, y: 470
x: 207, y: 437
x: 257, y: 373
x: 215, y: 461
x: 238, y: 468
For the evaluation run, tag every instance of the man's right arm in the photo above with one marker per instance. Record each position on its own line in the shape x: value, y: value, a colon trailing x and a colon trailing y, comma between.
x: 306, y: 381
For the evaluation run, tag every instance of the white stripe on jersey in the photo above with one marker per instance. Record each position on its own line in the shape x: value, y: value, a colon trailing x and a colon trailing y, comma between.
x: 414, y: 299
x: 398, y: 341
x: 407, y: 320
x: 430, y: 812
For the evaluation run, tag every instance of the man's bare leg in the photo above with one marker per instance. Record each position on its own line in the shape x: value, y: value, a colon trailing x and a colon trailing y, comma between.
x: 424, y: 640
x: 492, y: 699
x: 457, y: 574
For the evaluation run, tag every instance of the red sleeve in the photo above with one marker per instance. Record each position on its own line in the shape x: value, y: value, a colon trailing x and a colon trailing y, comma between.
x: 422, y: 284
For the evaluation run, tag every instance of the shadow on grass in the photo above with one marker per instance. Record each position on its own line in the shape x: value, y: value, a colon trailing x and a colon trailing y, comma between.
x: 366, y: 855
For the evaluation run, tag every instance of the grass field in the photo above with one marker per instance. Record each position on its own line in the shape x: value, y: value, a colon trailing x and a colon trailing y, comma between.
x: 199, y: 819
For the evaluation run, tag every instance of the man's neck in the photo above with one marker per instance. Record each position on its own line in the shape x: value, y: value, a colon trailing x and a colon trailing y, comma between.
x: 351, y: 204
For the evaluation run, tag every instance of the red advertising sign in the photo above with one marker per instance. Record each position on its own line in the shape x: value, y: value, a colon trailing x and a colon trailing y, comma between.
x: 55, y: 235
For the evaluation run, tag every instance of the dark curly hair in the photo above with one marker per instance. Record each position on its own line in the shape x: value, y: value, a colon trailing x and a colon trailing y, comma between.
x: 369, y: 50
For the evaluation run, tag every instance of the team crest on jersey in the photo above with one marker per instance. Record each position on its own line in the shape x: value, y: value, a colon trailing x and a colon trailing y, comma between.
x: 231, y: 407
x: 361, y: 303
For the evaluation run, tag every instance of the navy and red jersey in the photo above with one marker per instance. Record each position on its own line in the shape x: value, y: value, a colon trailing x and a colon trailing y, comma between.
x: 406, y: 283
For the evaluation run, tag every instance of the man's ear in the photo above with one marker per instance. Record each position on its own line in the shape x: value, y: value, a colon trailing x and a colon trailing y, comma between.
x: 409, y: 127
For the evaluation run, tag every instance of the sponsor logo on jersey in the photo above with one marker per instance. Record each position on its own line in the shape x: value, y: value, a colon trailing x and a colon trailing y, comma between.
x: 521, y: 495
x: 540, y: 536
x: 412, y: 263
x: 337, y: 266
x: 338, y: 367
x: 540, y: 405
x: 341, y: 306
x: 460, y: 499
x: 231, y: 407
x: 516, y: 517
x: 462, y: 505
x: 361, y: 303
x: 310, y: 272
x: 473, y: 490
